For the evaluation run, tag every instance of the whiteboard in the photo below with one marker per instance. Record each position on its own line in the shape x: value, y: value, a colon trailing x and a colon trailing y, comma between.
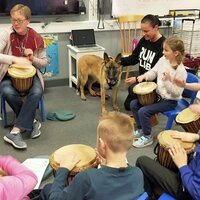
x: 156, y: 7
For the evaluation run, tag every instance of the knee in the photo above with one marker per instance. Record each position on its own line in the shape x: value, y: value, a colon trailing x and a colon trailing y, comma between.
x: 134, y: 105
x: 37, y: 92
x: 7, y: 90
x: 142, y: 111
x: 141, y: 160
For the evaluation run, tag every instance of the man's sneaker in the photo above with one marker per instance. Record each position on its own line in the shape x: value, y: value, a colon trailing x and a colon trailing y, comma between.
x: 16, y: 140
x: 36, y: 129
x: 143, y: 142
x: 137, y: 133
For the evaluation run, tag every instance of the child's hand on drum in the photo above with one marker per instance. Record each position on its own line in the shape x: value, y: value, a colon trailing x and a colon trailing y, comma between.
x: 20, y: 61
x: 70, y: 161
x: 99, y: 159
x: 195, y: 108
x: 130, y: 80
x: 141, y: 78
x: 178, y: 154
x: 185, y: 137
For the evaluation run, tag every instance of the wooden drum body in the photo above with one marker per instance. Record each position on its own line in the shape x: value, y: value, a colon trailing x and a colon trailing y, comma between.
x: 86, y: 154
x: 146, y: 92
x: 22, y: 77
x: 189, y: 121
x: 165, y: 140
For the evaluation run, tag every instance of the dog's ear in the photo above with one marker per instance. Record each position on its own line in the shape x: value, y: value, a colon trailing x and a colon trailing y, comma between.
x: 118, y: 58
x: 106, y: 57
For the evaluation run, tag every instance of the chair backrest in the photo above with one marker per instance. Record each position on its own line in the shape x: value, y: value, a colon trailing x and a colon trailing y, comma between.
x: 128, y: 31
x: 191, y: 78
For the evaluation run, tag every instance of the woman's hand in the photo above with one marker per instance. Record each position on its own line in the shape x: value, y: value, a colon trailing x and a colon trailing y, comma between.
x: 29, y: 54
x: 130, y: 80
x: 20, y: 61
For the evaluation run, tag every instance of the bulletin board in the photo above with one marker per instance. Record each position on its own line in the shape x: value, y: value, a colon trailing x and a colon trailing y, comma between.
x: 156, y: 7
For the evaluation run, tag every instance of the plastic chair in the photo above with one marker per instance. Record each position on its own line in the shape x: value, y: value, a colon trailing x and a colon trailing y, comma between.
x: 128, y: 33
x: 144, y: 196
x: 166, y: 196
x: 182, y: 103
x: 4, y: 115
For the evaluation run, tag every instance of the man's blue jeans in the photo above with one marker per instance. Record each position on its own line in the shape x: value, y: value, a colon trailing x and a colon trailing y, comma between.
x: 142, y: 114
x: 24, y: 110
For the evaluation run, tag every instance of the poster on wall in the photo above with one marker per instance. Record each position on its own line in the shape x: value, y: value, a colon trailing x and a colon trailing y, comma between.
x: 51, y: 42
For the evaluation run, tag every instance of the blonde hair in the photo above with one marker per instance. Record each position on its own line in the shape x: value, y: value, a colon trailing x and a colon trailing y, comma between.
x: 23, y: 9
x: 176, y: 44
x: 116, y: 129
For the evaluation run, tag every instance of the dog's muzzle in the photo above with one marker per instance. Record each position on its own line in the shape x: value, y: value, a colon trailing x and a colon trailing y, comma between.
x: 111, y: 83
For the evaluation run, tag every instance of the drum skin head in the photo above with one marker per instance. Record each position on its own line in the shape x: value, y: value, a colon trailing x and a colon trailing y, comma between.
x: 86, y: 154
x: 186, y: 116
x: 21, y: 72
x: 165, y: 140
x: 144, y: 88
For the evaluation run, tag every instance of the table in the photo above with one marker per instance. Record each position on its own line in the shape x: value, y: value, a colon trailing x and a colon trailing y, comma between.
x: 74, y: 53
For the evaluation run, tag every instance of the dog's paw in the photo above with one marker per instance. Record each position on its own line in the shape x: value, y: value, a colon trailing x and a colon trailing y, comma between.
x: 83, y: 98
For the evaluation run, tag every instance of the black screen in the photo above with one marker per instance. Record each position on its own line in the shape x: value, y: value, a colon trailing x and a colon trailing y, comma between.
x: 42, y: 7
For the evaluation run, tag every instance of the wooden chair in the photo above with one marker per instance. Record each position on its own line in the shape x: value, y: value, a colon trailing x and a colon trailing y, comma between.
x: 128, y: 34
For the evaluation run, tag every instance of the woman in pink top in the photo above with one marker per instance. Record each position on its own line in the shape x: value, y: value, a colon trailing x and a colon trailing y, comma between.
x: 18, y: 180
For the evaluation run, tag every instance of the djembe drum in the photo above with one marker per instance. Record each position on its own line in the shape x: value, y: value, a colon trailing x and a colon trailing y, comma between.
x: 146, y: 92
x: 165, y: 140
x: 86, y: 154
x: 189, y: 121
x: 21, y: 76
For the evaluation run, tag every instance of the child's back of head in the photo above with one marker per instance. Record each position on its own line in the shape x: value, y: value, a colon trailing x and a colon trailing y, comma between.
x: 116, y: 129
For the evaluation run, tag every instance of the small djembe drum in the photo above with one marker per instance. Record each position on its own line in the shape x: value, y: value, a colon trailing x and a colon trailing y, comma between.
x: 22, y: 77
x: 86, y: 154
x: 189, y: 120
x: 146, y: 92
x: 165, y: 140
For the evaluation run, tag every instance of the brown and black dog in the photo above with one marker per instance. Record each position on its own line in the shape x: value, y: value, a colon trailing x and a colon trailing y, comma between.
x: 106, y: 71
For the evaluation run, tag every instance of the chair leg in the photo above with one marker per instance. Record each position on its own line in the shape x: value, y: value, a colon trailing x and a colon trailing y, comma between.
x: 3, y: 111
x: 42, y: 110
x: 126, y: 76
x: 169, y: 122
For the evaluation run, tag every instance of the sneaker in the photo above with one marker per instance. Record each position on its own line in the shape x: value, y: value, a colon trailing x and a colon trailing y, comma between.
x: 143, y: 142
x: 36, y: 129
x: 16, y: 140
x: 137, y: 133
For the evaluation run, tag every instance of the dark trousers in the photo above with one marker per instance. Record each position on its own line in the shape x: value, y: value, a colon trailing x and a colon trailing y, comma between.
x: 142, y: 114
x: 24, y: 110
x: 130, y: 97
x: 157, y: 175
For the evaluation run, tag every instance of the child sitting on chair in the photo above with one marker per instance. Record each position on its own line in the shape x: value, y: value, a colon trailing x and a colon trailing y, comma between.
x: 168, y: 68
x: 184, y: 185
x: 114, y: 180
